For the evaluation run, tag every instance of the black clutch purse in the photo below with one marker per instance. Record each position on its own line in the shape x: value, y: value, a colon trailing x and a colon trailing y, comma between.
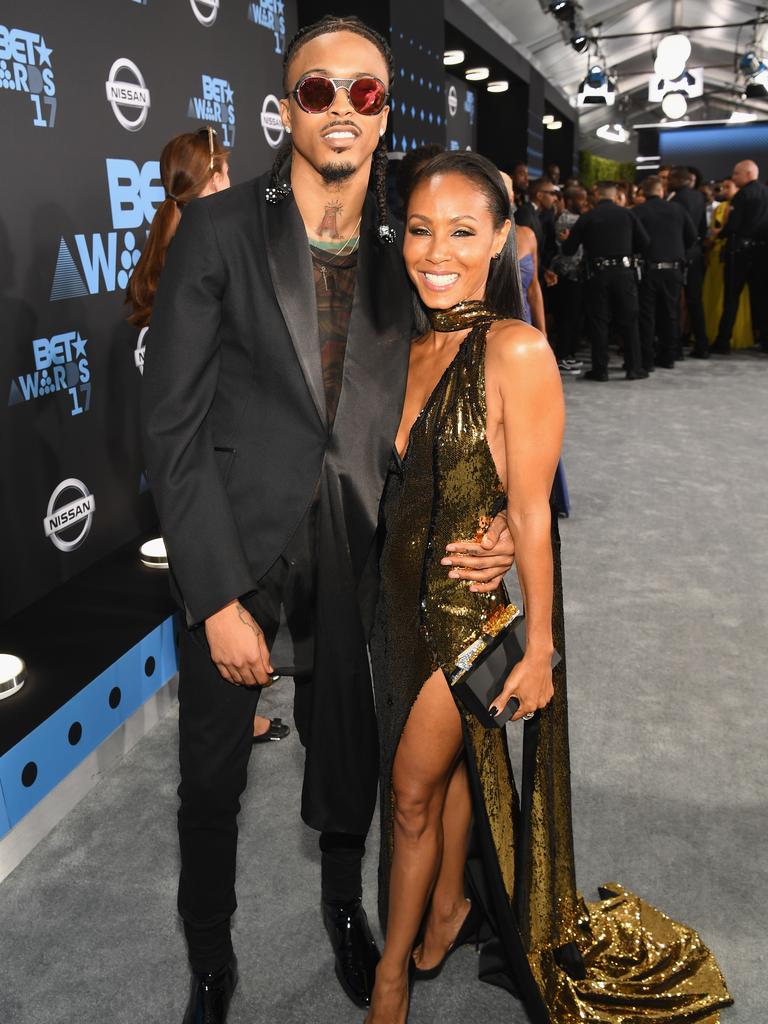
x: 482, y: 669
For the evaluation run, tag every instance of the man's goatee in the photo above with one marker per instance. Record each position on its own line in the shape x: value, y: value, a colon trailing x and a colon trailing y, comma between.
x: 337, y: 172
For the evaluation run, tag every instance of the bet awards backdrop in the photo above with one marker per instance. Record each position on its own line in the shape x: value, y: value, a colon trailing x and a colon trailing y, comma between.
x: 89, y: 94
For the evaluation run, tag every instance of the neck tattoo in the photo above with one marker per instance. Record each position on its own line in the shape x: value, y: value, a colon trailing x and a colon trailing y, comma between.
x: 329, y: 225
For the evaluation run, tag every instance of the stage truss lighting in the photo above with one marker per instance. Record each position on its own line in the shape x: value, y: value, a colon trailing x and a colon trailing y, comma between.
x: 596, y: 88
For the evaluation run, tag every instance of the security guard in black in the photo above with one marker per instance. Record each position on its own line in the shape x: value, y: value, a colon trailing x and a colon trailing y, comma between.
x: 746, y: 231
x: 672, y: 233
x: 681, y: 182
x: 611, y: 236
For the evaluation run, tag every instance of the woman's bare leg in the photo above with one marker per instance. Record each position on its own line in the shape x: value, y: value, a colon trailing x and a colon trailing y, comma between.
x: 449, y: 907
x: 424, y: 763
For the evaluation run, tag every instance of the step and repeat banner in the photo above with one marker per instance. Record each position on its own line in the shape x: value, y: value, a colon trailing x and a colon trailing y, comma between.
x: 89, y: 94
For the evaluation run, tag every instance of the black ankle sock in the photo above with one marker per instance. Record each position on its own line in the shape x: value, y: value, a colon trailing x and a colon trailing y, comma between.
x: 341, y: 866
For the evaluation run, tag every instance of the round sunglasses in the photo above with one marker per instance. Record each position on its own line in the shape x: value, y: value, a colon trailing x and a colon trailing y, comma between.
x: 315, y: 93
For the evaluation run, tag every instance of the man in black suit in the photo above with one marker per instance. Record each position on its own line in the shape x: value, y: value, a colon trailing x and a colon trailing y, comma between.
x: 671, y: 234
x: 681, y: 182
x: 272, y: 392
x: 746, y: 232
x: 538, y: 215
x: 611, y: 237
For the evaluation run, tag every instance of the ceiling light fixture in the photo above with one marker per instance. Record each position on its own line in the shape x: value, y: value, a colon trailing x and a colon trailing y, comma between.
x: 499, y: 86
x: 580, y: 42
x: 548, y: 119
x: 755, y: 71
x: 674, y: 105
x: 672, y: 54
x: 596, y: 88
x: 453, y: 57
x: 476, y: 74
x: 554, y: 125
x: 612, y: 133
x: 563, y: 10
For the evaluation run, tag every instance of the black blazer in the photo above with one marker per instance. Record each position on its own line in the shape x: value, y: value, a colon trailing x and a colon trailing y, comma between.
x: 695, y: 204
x: 527, y: 216
x: 669, y: 228
x: 234, y: 422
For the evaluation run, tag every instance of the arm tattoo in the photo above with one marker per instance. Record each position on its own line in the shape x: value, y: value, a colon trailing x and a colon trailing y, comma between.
x: 329, y: 225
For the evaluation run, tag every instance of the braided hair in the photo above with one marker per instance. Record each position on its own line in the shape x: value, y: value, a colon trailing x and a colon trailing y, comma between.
x: 380, y: 160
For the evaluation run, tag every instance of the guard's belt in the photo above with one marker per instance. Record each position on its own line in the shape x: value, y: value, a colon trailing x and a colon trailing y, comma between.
x: 669, y: 265
x: 611, y: 262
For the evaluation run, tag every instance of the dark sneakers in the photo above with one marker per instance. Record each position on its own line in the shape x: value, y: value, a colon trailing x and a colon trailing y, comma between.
x: 211, y: 994
x: 354, y: 947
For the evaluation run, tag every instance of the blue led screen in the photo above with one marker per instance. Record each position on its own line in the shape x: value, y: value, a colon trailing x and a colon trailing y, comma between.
x: 714, y: 149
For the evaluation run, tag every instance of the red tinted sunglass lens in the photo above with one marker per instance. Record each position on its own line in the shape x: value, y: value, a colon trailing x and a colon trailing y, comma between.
x: 316, y: 94
x: 367, y: 95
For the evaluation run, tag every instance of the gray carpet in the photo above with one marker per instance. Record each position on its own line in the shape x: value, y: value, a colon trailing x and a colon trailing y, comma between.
x: 665, y: 565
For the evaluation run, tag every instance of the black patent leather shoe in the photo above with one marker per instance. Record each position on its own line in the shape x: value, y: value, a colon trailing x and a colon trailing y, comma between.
x: 636, y: 375
x: 211, y: 994
x: 594, y: 375
x: 353, y: 944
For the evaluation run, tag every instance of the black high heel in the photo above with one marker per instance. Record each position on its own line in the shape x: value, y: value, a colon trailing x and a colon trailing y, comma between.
x: 468, y: 932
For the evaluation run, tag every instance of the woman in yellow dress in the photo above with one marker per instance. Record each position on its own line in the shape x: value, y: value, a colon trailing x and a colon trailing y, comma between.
x: 714, y: 279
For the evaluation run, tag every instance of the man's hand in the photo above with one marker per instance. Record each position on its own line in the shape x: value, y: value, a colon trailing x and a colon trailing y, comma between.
x: 484, y: 561
x: 550, y: 278
x: 238, y: 648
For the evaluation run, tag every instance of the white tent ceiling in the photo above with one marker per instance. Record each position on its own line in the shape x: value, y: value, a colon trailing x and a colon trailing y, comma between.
x: 536, y: 33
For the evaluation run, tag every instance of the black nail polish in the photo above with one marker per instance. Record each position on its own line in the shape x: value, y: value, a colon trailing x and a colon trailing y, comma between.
x: 493, y: 711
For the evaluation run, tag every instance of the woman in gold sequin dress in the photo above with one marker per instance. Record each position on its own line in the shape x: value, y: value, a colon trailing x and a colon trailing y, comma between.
x: 483, y: 419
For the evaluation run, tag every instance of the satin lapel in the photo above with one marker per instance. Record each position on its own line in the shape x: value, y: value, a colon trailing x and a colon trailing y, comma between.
x: 375, y: 366
x: 290, y: 266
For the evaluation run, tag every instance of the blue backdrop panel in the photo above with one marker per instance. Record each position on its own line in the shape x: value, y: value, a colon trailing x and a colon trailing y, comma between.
x: 714, y: 149
x: 89, y: 95
x: 42, y: 759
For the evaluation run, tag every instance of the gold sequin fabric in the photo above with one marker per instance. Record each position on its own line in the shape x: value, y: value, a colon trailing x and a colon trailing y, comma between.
x: 627, y: 963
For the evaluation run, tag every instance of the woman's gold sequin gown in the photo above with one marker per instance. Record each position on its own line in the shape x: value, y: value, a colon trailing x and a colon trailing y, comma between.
x: 615, y: 961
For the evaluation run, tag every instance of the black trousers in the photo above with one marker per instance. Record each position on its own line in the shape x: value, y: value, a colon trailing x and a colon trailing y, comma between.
x: 568, y: 315
x: 694, y: 283
x: 748, y: 266
x: 659, y: 315
x: 215, y: 743
x: 612, y: 299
